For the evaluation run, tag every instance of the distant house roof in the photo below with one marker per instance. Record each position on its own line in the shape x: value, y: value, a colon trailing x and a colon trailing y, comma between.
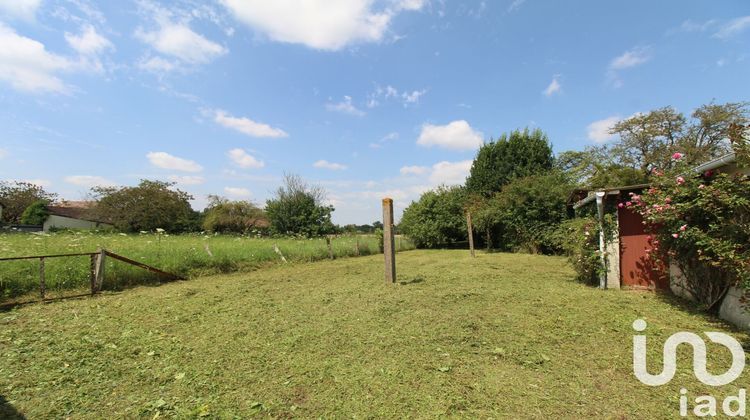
x: 80, y: 210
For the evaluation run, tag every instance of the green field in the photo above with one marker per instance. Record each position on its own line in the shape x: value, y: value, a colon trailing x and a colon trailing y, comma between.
x: 185, y: 255
x: 499, y: 336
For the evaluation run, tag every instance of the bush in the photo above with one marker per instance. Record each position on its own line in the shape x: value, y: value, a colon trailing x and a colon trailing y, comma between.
x: 702, y: 224
x: 35, y: 214
x: 437, y: 219
x: 299, y: 209
x: 227, y: 216
x: 579, y: 238
x: 530, y: 209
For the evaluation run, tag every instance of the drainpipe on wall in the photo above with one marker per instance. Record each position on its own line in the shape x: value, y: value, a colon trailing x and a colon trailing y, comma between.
x: 602, y: 246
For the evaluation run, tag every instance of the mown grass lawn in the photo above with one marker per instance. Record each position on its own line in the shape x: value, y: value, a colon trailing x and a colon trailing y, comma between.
x: 498, y: 336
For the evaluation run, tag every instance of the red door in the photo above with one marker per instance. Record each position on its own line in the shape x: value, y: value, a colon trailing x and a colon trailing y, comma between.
x: 637, y: 269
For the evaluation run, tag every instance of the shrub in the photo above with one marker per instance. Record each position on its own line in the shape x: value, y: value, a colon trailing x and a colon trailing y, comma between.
x: 702, y: 224
x: 35, y: 214
x: 437, y: 219
x: 579, y: 238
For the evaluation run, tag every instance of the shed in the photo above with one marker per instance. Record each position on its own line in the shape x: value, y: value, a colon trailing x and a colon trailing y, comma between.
x: 627, y: 264
x: 73, y: 215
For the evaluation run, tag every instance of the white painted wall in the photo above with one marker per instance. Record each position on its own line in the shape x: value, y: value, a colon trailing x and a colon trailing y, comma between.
x: 61, y: 222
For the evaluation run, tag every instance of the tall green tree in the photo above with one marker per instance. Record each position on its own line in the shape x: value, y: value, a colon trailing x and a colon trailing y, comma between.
x: 299, y: 209
x: 17, y: 196
x: 514, y: 155
x: 148, y: 206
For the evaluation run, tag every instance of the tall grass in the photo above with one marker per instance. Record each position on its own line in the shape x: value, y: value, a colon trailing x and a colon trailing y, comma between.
x: 186, y: 255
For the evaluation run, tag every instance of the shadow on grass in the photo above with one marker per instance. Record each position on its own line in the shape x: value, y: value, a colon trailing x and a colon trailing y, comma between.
x: 412, y: 280
x: 7, y: 411
x: 8, y: 306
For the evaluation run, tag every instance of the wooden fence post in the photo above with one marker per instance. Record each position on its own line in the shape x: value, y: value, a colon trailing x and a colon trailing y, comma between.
x: 42, y: 284
x: 330, y: 247
x: 100, y: 264
x: 388, y: 249
x: 471, y: 232
x: 357, y: 247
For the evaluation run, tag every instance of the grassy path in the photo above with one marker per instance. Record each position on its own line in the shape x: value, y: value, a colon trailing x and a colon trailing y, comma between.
x: 499, y: 336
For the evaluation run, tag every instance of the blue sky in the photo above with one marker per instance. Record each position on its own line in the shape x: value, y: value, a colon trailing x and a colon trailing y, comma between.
x: 367, y: 98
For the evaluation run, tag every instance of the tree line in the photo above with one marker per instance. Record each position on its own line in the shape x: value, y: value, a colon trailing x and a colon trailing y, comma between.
x: 296, y: 208
x: 517, y: 189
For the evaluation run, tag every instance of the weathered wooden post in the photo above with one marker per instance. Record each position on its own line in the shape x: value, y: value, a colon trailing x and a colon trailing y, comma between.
x: 42, y: 283
x: 99, y: 268
x: 471, y: 233
x: 388, y: 249
x: 330, y: 247
x: 357, y: 247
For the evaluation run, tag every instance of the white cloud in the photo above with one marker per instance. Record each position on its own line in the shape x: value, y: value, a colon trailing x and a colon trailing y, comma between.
x: 389, y: 92
x: 389, y: 137
x: 345, y: 107
x: 89, y: 181
x: 26, y: 64
x: 554, y: 86
x: 244, y: 160
x: 515, y: 5
x: 413, y: 97
x: 21, y: 9
x: 166, y: 161
x: 157, y: 65
x: 187, y: 179
x: 247, y: 126
x: 319, y: 24
x: 598, y: 131
x: 89, y: 42
x: 733, y: 28
x: 237, y: 192
x: 324, y: 164
x: 457, y: 135
x: 414, y: 170
x: 691, y: 26
x: 630, y: 58
x: 179, y: 41
x: 450, y: 173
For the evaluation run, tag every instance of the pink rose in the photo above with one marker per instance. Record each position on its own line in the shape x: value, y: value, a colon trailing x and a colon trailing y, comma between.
x: 702, y: 186
x: 668, y: 200
x: 619, y: 206
x: 682, y: 228
x: 677, y: 156
x: 680, y: 180
x: 709, y: 173
x: 675, y: 235
x: 629, y: 203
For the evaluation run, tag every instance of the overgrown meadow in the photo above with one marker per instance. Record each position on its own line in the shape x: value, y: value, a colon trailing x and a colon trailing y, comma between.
x: 189, y: 255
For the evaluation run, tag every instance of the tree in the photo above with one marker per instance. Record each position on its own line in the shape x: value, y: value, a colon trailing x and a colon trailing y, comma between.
x: 150, y: 205
x: 223, y: 215
x: 595, y: 167
x: 530, y: 210
x: 16, y: 196
x: 647, y: 141
x: 299, y: 209
x: 514, y: 155
x: 36, y: 213
x: 437, y: 219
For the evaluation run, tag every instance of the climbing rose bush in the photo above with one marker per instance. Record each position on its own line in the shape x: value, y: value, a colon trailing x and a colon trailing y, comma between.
x: 701, y: 222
